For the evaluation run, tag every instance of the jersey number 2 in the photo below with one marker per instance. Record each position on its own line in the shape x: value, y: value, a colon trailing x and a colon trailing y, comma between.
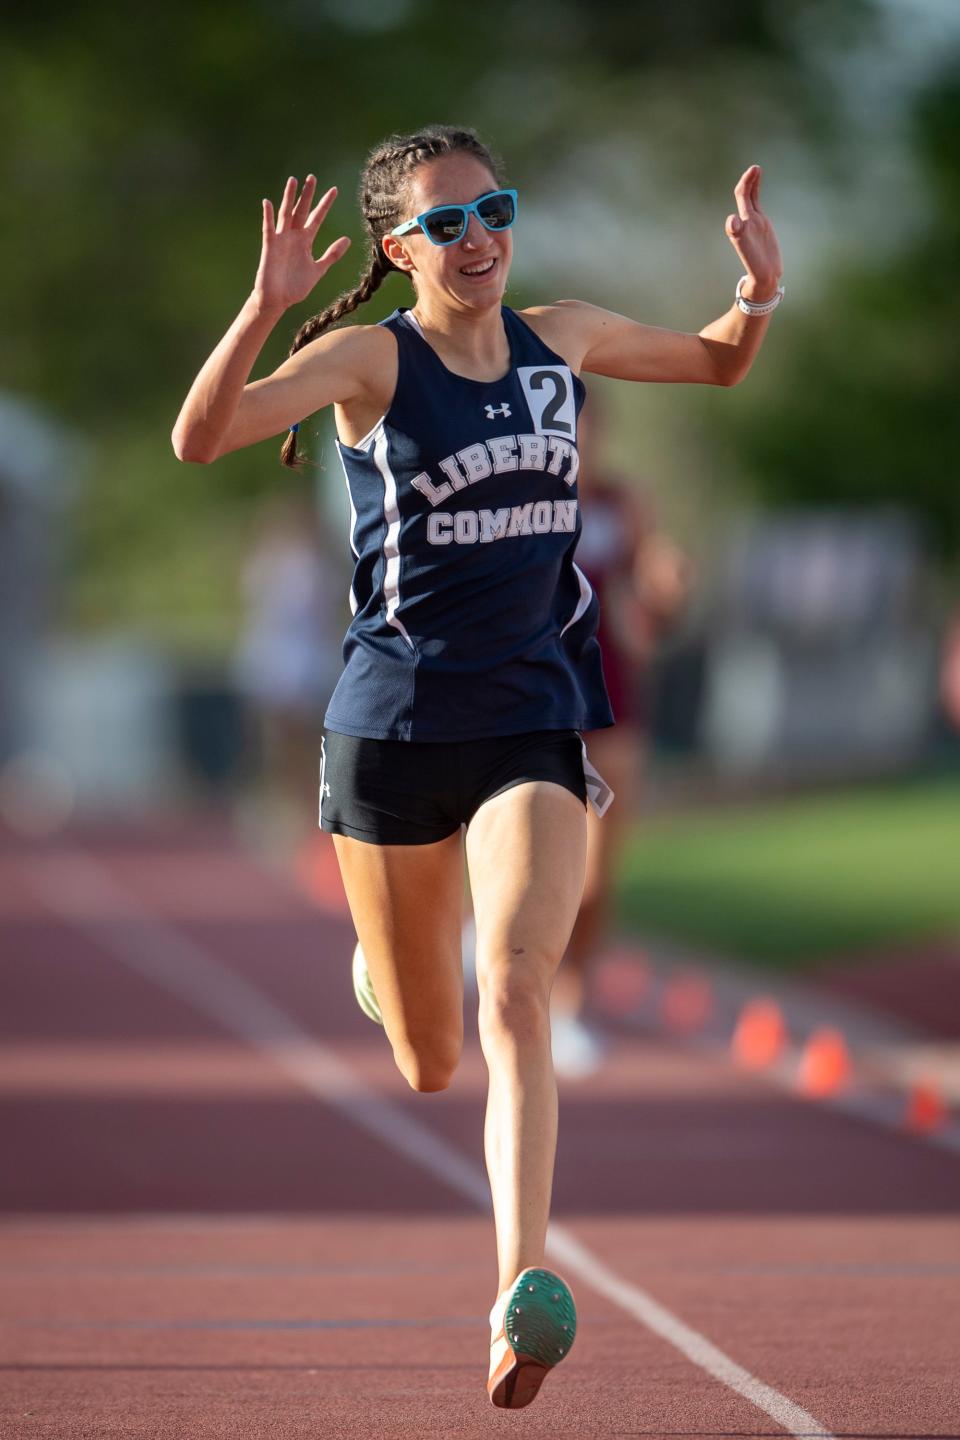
x: 549, y: 395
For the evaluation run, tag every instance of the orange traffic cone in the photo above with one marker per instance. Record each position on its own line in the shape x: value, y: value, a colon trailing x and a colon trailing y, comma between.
x: 824, y: 1064
x: 761, y: 1034
x: 926, y: 1109
x: 686, y: 1003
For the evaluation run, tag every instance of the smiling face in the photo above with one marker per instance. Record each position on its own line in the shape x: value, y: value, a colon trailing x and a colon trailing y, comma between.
x: 438, y: 271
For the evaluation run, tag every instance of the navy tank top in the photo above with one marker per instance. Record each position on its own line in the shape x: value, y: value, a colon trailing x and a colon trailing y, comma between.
x: 470, y: 615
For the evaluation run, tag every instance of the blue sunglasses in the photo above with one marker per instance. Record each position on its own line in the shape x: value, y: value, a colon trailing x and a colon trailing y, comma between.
x: 446, y: 224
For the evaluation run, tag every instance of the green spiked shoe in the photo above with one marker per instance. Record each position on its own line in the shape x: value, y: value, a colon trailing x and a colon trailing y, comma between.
x: 533, y: 1325
x: 362, y: 987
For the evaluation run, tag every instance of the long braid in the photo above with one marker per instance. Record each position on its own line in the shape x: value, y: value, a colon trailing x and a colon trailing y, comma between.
x: 382, y: 195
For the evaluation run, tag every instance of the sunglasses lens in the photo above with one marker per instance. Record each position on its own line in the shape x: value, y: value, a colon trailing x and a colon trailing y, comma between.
x: 445, y: 226
x: 497, y: 211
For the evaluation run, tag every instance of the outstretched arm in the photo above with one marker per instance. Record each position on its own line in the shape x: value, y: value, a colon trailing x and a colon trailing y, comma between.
x: 223, y: 411
x: 723, y: 351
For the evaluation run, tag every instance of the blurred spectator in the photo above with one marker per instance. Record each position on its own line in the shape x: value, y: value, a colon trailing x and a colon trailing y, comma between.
x: 950, y: 672
x: 39, y: 476
x: 287, y: 659
x: 822, y: 646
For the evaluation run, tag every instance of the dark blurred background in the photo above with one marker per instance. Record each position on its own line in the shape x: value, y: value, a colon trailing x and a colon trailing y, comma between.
x: 811, y: 688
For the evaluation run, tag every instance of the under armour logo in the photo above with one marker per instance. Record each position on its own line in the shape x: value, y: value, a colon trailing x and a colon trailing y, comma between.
x: 492, y: 413
x: 326, y: 790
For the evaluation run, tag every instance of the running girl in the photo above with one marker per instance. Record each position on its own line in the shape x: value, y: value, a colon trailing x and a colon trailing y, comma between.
x: 471, y: 665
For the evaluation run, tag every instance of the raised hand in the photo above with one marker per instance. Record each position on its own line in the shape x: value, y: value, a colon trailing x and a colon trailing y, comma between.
x: 751, y: 234
x: 287, y: 271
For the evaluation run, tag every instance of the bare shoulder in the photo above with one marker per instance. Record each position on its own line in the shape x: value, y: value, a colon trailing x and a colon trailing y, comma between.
x: 355, y: 346
x: 567, y: 326
x: 365, y: 356
x: 369, y: 353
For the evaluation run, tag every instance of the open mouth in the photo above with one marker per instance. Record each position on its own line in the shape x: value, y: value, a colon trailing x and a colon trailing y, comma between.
x: 478, y: 271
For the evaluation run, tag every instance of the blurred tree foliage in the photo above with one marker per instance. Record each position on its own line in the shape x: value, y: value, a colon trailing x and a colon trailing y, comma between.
x: 864, y: 405
x: 134, y: 153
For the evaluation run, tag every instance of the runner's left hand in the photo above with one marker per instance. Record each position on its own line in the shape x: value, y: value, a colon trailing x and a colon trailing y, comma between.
x: 752, y: 235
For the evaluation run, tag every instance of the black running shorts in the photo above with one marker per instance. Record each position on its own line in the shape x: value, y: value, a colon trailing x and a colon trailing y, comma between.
x: 408, y: 792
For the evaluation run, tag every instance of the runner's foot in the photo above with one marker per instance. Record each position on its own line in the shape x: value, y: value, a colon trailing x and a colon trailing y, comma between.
x: 533, y: 1324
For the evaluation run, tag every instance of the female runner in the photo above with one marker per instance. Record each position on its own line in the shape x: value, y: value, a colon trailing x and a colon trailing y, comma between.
x: 471, y: 664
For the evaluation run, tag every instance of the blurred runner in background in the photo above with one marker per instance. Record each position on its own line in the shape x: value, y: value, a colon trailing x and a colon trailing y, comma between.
x: 950, y: 670
x: 286, y: 663
x: 643, y: 581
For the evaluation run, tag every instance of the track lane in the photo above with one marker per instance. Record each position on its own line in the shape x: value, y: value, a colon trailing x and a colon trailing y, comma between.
x: 603, y: 1380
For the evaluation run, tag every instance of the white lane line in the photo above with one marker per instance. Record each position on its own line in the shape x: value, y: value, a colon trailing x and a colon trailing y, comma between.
x: 82, y: 892
x: 696, y: 1347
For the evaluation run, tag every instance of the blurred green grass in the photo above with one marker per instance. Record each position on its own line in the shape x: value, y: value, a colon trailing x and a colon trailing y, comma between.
x: 790, y: 884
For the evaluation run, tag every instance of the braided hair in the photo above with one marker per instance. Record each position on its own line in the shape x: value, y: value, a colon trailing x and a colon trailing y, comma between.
x: 383, y: 198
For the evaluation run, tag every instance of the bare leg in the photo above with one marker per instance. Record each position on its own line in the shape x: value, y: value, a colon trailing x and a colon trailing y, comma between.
x: 525, y: 850
x: 406, y: 903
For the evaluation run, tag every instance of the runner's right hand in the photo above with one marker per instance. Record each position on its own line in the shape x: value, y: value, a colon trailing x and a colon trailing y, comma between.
x: 288, y: 271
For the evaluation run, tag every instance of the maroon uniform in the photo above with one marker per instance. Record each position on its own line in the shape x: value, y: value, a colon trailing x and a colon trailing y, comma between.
x: 606, y: 554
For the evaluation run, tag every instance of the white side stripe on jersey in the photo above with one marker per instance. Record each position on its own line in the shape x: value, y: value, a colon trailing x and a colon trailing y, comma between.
x: 364, y: 444
x: 353, y: 528
x: 586, y: 595
x: 391, y: 540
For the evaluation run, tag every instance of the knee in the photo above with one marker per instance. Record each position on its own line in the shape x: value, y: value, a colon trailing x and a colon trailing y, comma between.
x: 515, y: 998
x: 428, y: 1082
x: 427, y: 1068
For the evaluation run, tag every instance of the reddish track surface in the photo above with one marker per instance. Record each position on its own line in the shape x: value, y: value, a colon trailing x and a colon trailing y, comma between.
x: 195, y: 1245
x: 919, y: 983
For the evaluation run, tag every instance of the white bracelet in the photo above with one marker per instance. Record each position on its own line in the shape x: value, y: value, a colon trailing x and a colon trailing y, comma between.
x: 753, y: 307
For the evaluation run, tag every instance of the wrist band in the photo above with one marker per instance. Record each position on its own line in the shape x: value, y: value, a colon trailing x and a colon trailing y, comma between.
x: 294, y: 428
x: 753, y: 307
